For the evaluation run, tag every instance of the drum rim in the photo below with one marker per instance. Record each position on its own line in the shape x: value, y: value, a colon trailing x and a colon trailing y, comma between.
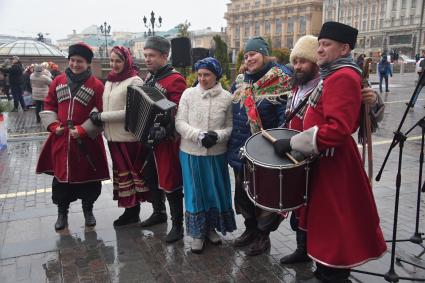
x: 267, y: 165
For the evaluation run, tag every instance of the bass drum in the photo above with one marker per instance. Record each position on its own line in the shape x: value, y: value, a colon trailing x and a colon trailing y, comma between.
x: 272, y: 182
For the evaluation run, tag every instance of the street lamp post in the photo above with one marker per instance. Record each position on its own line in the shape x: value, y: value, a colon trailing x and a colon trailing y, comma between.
x: 152, y: 23
x: 105, y: 29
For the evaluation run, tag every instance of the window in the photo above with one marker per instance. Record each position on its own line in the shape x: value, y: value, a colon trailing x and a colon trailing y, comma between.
x: 403, y: 4
x: 302, y: 24
x: 246, y: 29
x: 277, y: 43
x: 278, y: 24
x: 413, y: 3
x: 290, y: 25
x: 289, y: 42
x: 364, y: 25
x: 237, y: 31
x: 365, y: 8
x: 267, y: 27
x: 372, y: 24
x: 257, y: 28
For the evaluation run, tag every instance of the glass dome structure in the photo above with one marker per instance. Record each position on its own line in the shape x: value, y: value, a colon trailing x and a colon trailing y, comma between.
x: 29, y: 48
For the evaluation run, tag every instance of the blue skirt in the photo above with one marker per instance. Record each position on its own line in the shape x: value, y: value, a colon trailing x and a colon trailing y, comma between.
x: 207, y: 194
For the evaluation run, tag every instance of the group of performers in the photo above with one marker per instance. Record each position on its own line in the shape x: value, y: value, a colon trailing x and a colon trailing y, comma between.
x: 338, y: 227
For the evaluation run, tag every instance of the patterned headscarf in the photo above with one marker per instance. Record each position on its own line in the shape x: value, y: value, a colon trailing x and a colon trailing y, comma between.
x: 210, y: 64
x: 129, y: 68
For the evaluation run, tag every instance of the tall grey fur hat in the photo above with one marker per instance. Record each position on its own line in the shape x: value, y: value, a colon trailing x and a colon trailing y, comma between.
x: 158, y: 43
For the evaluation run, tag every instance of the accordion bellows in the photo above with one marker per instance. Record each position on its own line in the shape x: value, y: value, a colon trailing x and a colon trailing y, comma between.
x: 145, y: 106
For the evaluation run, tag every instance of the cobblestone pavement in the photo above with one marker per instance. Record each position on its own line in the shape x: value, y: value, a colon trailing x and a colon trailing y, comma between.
x: 31, y: 250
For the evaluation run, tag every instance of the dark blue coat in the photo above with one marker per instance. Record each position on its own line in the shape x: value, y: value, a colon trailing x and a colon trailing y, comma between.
x: 272, y: 116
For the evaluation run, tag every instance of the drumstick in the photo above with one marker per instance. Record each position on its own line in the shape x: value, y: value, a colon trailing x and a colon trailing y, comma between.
x: 271, y: 139
x: 268, y: 137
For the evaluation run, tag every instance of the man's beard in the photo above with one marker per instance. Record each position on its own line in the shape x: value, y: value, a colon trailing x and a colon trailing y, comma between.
x: 301, y: 78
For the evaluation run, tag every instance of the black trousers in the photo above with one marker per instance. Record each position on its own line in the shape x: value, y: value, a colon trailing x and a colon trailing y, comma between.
x: 39, y: 105
x: 17, y: 96
x: 64, y: 193
x: 255, y: 218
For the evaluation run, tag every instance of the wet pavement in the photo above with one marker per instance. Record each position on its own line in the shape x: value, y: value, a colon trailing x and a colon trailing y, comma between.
x: 31, y: 250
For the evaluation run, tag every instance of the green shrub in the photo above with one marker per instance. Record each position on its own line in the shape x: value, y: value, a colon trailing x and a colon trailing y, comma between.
x: 5, y: 106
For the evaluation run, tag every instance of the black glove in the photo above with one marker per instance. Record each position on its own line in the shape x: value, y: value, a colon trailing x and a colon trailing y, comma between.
x: 209, y: 139
x: 282, y: 146
x: 95, y: 118
x: 157, y: 133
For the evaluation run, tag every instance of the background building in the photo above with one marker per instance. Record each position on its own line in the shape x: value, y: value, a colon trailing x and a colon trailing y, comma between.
x: 281, y: 21
x: 384, y: 25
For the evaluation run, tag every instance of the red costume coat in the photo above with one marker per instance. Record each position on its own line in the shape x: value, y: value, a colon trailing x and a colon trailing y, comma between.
x: 342, y: 219
x: 167, y: 152
x: 60, y: 155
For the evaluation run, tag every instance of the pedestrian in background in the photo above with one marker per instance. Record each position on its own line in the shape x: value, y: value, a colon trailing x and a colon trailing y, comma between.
x: 204, y: 121
x: 26, y: 85
x: 6, y: 85
x: 384, y: 69
x: 40, y: 87
x: 15, y: 80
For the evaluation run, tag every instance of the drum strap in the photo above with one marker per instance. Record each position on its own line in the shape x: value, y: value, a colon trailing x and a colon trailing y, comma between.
x: 296, y: 110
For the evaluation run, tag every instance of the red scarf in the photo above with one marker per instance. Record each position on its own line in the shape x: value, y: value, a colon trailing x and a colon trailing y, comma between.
x: 129, y: 69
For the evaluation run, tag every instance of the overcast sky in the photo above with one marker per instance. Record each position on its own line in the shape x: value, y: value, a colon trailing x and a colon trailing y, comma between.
x: 60, y: 17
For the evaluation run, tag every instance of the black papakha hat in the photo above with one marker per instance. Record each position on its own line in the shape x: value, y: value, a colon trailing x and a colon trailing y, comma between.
x: 339, y: 32
x: 82, y: 50
x: 158, y: 43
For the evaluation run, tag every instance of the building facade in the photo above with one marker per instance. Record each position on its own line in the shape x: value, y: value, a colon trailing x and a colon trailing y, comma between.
x: 384, y: 25
x: 282, y: 21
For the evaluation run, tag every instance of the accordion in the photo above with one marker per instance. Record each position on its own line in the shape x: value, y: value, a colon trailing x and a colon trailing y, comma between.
x: 146, y: 107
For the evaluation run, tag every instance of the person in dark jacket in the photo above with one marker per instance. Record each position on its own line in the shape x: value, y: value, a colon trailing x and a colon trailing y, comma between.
x: 15, y: 81
x: 266, y: 84
x: 384, y: 69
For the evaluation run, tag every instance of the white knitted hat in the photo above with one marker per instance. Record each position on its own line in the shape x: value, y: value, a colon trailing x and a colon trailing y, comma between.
x: 306, y: 47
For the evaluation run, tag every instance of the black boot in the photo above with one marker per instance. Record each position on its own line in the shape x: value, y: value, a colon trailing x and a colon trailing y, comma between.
x: 130, y: 215
x: 159, y: 214
x: 88, y: 214
x: 260, y: 245
x: 175, y: 200
x: 62, y: 220
x: 300, y: 254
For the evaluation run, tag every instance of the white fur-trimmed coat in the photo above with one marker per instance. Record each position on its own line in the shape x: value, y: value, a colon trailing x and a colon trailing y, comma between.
x: 204, y: 110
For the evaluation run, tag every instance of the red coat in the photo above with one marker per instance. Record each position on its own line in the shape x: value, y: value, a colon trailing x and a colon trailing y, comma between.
x: 167, y: 152
x: 60, y: 155
x: 342, y: 219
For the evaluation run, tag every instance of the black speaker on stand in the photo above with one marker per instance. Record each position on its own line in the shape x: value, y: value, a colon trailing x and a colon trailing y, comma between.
x: 180, y: 52
x: 199, y: 53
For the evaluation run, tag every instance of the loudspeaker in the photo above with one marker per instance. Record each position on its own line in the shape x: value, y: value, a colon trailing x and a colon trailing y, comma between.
x: 199, y: 53
x: 180, y: 52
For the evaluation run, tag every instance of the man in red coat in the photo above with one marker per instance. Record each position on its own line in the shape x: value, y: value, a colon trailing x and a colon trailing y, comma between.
x: 74, y: 152
x: 164, y: 172
x: 341, y: 218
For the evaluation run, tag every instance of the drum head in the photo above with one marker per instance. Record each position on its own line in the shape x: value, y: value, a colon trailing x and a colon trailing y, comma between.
x: 260, y: 151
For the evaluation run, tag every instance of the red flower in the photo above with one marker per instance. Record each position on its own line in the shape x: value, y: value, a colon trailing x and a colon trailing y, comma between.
x: 249, y: 102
